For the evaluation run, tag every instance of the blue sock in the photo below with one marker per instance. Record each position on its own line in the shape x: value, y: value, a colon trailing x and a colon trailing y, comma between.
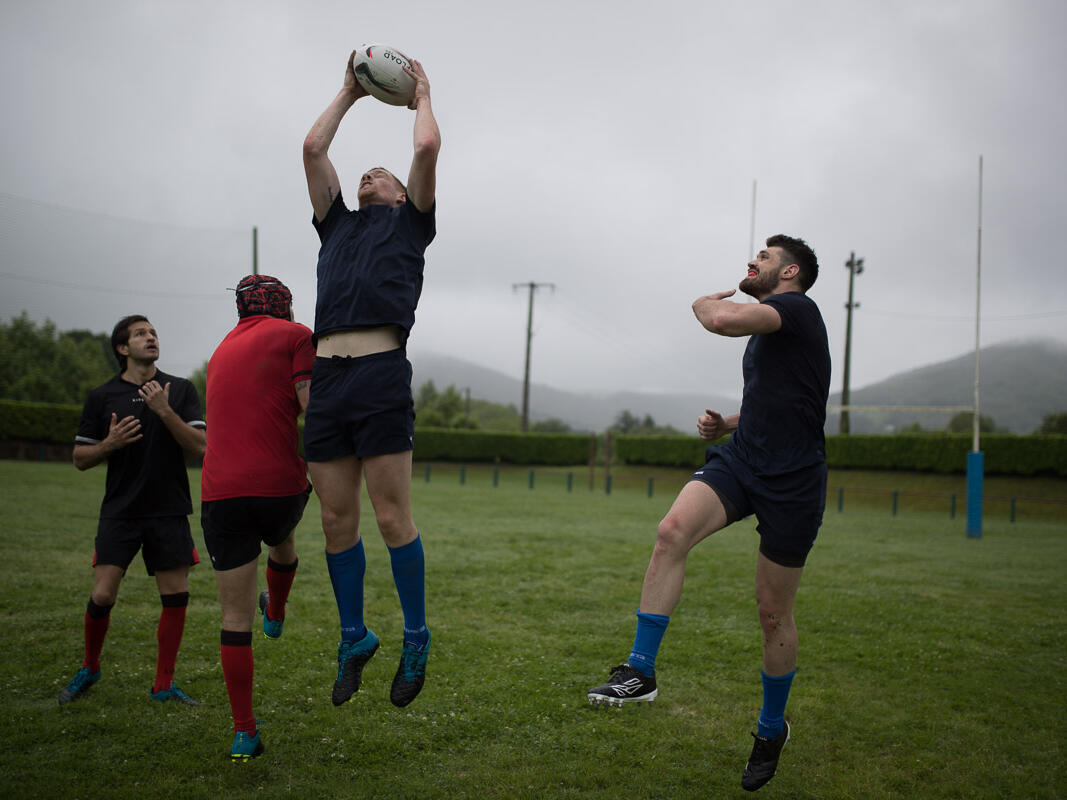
x: 346, y: 574
x: 650, y: 630
x: 775, y: 694
x: 409, y: 575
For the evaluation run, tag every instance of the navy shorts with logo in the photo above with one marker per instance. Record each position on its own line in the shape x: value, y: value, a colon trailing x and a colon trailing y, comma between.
x: 234, y: 527
x: 360, y: 406
x: 165, y: 543
x: 788, y: 507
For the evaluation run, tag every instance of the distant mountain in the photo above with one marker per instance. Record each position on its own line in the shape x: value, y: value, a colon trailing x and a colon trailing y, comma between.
x: 583, y: 412
x: 1021, y: 382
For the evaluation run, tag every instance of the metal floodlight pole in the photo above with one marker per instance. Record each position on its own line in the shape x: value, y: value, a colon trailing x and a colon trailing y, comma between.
x: 975, y: 458
x: 532, y: 286
x: 855, y: 267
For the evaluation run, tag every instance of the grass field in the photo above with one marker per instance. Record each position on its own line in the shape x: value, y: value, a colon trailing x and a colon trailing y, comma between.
x: 931, y: 665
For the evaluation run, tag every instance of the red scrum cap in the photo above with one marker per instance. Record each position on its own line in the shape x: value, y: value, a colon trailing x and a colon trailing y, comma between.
x: 263, y: 294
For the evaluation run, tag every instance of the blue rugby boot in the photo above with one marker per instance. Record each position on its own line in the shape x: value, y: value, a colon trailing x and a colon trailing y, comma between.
x: 411, y: 674
x: 81, y: 683
x: 351, y: 658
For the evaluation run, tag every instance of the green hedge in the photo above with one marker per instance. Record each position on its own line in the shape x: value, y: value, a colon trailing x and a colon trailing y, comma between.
x: 47, y: 423
x: 445, y: 444
x: 1005, y: 454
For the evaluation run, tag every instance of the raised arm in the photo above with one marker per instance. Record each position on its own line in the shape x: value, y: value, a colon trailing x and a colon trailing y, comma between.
x: 422, y: 179
x: 727, y: 318
x: 323, y: 184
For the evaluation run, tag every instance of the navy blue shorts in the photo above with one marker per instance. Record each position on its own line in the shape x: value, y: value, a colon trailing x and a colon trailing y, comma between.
x: 165, y: 543
x: 788, y: 507
x: 360, y: 407
x: 234, y: 527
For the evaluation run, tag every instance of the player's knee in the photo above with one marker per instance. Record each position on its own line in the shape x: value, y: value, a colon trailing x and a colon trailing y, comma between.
x: 395, y: 525
x: 773, y: 615
x: 672, y: 536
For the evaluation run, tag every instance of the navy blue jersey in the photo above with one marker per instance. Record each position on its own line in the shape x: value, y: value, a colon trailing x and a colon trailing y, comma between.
x: 370, y: 266
x: 146, y: 478
x: 787, y: 382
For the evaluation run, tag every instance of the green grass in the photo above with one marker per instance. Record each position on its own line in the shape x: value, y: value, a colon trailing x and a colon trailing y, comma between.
x: 931, y: 665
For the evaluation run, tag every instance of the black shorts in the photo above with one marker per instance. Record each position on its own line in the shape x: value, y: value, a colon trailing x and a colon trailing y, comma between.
x: 234, y: 528
x: 165, y: 543
x: 788, y: 507
x: 360, y: 406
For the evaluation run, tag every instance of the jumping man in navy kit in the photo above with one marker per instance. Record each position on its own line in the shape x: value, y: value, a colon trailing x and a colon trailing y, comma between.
x: 774, y: 466
x: 141, y: 422
x: 360, y: 420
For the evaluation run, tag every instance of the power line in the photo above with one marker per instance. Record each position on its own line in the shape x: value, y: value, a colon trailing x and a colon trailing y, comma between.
x: 83, y: 287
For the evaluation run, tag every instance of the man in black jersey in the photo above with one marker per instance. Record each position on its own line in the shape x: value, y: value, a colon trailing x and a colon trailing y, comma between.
x: 360, y: 420
x: 141, y: 422
x: 773, y: 466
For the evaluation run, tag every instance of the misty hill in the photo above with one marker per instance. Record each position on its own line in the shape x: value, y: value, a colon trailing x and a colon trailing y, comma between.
x: 1021, y: 383
x: 583, y: 412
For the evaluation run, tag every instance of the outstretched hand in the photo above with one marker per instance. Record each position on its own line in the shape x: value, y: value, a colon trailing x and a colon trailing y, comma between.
x: 711, y: 425
x: 354, y: 87
x: 422, y: 83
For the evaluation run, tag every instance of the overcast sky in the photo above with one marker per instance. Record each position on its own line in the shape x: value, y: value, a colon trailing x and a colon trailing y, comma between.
x: 606, y: 147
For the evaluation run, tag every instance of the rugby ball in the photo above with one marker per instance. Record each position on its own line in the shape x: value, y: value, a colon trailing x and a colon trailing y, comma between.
x: 380, y: 70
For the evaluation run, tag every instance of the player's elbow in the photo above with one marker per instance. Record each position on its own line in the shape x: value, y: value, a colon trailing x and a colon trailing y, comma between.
x: 314, y: 147
x: 428, y: 146
x: 713, y: 319
x: 80, y: 461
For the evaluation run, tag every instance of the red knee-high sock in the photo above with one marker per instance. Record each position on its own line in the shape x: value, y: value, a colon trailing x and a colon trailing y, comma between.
x: 237, y: 669
x: 279, y: 582
x: 97, y: 620
x: 169, y: 635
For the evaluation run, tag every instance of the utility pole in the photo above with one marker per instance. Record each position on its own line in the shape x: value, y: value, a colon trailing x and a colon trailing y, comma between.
x: 855, y: 267
x: 529, y: 335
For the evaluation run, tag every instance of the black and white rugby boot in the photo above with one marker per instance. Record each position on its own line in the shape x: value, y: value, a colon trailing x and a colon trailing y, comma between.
x: 627, y: 685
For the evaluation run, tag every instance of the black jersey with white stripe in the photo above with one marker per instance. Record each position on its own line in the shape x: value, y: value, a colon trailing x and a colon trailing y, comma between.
x: 147, y: 478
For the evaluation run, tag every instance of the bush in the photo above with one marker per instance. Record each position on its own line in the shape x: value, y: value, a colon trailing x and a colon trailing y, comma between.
x: 47, y: 423
x: 559, y: 449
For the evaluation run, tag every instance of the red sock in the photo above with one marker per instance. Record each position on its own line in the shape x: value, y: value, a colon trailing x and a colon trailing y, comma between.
x: 169, y: 635
x: 279, y: 582
x: 237, y: 669
x: 97, y: 620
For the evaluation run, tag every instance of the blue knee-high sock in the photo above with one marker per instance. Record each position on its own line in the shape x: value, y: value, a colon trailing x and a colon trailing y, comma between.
x: 347, y: 569
x: 409, y: 575
x: 650, y: 630
x: 775, y: 694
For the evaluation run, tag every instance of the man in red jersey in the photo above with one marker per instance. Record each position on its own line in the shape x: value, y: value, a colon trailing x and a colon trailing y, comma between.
x: 254, y: 485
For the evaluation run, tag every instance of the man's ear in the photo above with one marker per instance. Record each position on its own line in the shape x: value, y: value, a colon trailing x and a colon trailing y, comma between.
x: 791, y: 271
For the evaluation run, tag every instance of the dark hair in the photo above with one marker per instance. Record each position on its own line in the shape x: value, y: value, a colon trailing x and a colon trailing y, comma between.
x: 798, y: 253
x: 121, y: 335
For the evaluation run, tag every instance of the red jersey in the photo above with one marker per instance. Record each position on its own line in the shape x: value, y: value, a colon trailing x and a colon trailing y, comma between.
x: 252, y: 440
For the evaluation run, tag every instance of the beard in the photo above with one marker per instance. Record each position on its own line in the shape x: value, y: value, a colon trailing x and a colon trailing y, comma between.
x: 761, y: 284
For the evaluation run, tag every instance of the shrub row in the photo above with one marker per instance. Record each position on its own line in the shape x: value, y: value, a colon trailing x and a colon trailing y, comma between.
x: 443, y: 444
x: 1005, y: 454
x: 47, y: 423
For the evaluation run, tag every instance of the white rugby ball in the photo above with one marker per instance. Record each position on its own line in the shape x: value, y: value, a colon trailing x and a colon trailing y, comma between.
x: 379, y: 69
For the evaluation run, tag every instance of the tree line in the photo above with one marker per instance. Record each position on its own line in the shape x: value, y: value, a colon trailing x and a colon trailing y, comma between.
x: 41, y: 364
